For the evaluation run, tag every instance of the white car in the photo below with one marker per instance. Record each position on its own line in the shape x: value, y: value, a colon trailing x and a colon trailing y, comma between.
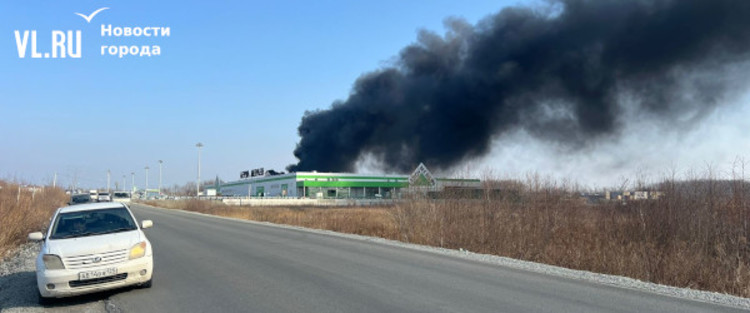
x: 121, y: 196
x: 104, y: 197
x: 92, y: 247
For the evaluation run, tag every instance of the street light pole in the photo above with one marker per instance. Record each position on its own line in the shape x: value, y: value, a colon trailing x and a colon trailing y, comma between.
x: 108, y: 178
x: 132, y: 184
x: 146, y: 190
x: 198, y: 185
x: 160, y: 162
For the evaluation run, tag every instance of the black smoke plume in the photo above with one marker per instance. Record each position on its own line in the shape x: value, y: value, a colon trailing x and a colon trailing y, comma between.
x: 572, y: 73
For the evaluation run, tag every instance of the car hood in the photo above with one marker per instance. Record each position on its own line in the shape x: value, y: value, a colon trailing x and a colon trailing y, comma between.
x: 94, y: 244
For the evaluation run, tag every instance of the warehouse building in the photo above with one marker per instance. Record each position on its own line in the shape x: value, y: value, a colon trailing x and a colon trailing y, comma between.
x: 337, y: 185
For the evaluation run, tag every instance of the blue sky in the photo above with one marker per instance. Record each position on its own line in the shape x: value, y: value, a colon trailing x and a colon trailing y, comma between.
x: 235, y: 75
x: 238, y: 76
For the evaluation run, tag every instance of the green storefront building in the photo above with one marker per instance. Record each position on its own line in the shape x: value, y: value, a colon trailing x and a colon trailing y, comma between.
x: 339, y: 185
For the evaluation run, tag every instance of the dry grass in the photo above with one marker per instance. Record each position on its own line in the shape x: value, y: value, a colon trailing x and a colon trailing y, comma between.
x: 696, y: 236
x: 23, y: 211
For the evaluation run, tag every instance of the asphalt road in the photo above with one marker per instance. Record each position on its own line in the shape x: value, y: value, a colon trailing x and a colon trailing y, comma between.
x: 206, y: 264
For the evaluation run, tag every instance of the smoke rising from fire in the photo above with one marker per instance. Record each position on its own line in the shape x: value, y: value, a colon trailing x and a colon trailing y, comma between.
x: 572, y: 75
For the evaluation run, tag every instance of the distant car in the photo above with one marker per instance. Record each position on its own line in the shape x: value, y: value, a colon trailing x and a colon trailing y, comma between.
x: 121, y: 196
x: 90, y: 248
x: 79, y: 199
x: 104, y: 197
x: 94, y: 194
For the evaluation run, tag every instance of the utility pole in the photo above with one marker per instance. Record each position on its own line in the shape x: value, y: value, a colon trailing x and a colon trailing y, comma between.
x: 146, y: 190
x: 108, y: 178
x: 160, y: 162
x: 198, y: 185
x: 132, y: 185
x: 54, y: 181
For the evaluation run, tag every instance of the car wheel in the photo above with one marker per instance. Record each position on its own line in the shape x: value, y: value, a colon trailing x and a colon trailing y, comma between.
x: 147, y: 284
x: 43, y: 301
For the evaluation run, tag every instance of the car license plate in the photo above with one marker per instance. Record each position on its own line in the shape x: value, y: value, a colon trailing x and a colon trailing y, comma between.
x: 97, y: 274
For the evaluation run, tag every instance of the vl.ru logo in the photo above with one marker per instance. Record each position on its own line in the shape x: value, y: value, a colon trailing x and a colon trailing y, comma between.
x: 64, y: 44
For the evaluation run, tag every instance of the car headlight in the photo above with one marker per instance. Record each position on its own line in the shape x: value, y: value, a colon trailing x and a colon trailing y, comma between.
x: 138, y: 251
x: 52, y: 262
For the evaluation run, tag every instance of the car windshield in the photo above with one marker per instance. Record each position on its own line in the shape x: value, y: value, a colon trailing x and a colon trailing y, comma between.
x: 93, y: 222
x: 121, y: 195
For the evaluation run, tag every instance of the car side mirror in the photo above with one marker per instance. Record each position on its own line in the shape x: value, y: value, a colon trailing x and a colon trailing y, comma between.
x: 147, y: 224
x: 36, y: 236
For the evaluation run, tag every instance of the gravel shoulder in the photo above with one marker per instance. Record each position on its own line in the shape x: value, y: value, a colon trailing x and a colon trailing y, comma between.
x: 18, y: 287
